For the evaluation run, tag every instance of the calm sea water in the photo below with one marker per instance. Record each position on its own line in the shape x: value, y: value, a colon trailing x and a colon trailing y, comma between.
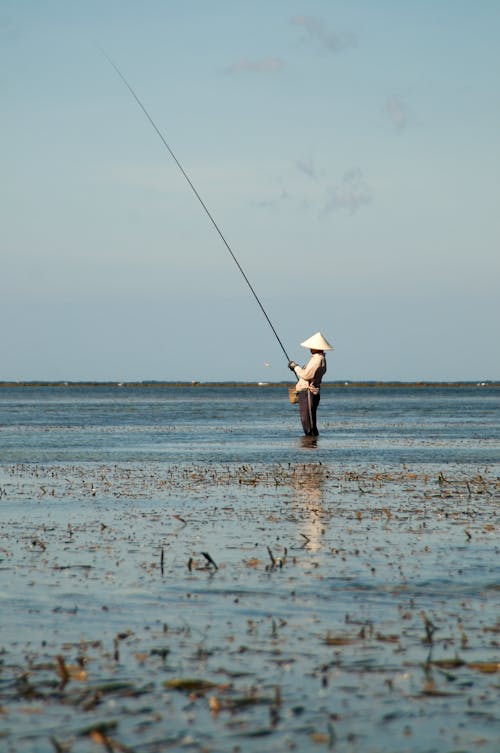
x: 248, y: 424
x: 336, y: 563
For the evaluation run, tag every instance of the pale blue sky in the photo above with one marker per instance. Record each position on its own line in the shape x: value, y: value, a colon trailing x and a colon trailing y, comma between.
x: 349, y: 151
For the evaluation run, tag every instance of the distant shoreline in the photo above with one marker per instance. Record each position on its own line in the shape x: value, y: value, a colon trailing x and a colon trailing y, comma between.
x: 343, y: 384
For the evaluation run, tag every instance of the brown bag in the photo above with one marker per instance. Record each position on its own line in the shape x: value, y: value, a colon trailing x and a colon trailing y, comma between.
x: 292, y: 395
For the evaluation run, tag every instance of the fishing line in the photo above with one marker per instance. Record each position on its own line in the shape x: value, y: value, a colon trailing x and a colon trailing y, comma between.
x: 194, y: 190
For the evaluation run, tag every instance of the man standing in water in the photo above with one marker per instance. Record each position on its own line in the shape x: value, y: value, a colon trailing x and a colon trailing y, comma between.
x: 309, y: 384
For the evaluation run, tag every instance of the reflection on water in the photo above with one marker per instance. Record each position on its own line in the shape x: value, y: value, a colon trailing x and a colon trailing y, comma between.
x: 308, y: 496
x: 309, y: 443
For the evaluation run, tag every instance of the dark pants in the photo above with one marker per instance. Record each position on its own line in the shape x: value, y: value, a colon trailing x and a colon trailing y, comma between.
x: 308, y: 404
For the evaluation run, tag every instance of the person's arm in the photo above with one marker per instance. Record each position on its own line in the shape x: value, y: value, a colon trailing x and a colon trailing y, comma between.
x: 308, y: 371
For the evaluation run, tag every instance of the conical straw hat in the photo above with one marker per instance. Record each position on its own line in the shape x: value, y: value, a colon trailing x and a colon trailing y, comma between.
x: 317, y: 342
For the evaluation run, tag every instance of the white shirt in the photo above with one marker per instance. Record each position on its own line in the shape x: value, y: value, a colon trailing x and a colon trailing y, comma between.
x: 311, y: 374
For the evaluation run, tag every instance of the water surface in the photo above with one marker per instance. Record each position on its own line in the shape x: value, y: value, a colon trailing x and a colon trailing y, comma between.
x: 181, y: 570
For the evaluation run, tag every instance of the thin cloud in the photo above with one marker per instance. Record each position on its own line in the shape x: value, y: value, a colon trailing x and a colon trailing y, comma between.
x: 317, y: 32
x: 307, y: 167
x: 397, y: 112
x: 350, y: 194
x: 275, y: 202
x: 265, y: 65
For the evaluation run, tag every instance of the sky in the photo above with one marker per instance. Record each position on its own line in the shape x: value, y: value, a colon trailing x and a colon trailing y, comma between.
x: 347, y: 149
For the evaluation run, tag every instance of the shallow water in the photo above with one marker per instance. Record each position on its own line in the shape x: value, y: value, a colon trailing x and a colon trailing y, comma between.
x: 353, y: 603
x: 248, y: 424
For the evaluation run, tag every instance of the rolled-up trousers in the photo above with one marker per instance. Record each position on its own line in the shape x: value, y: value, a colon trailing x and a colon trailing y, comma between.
x: 308, y: 405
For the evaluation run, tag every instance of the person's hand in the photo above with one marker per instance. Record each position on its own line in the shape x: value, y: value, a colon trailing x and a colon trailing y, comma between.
x: 292, y: 365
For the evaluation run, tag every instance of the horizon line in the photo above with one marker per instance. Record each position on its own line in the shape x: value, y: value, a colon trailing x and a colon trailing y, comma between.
x: 235, y: 382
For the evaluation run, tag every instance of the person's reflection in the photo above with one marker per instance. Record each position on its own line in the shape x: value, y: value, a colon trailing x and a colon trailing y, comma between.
x: 307, y: 483
x: 308, y: 442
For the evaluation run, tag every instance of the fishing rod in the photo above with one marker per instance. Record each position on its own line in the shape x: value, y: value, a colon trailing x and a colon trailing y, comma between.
x: 194, y: 190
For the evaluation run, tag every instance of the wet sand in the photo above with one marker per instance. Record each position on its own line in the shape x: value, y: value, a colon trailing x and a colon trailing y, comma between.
x: 248, y: 608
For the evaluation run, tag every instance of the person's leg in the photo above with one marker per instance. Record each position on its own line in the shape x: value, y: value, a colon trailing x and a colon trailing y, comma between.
x: 305, y: 406
x: 314, y: 399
